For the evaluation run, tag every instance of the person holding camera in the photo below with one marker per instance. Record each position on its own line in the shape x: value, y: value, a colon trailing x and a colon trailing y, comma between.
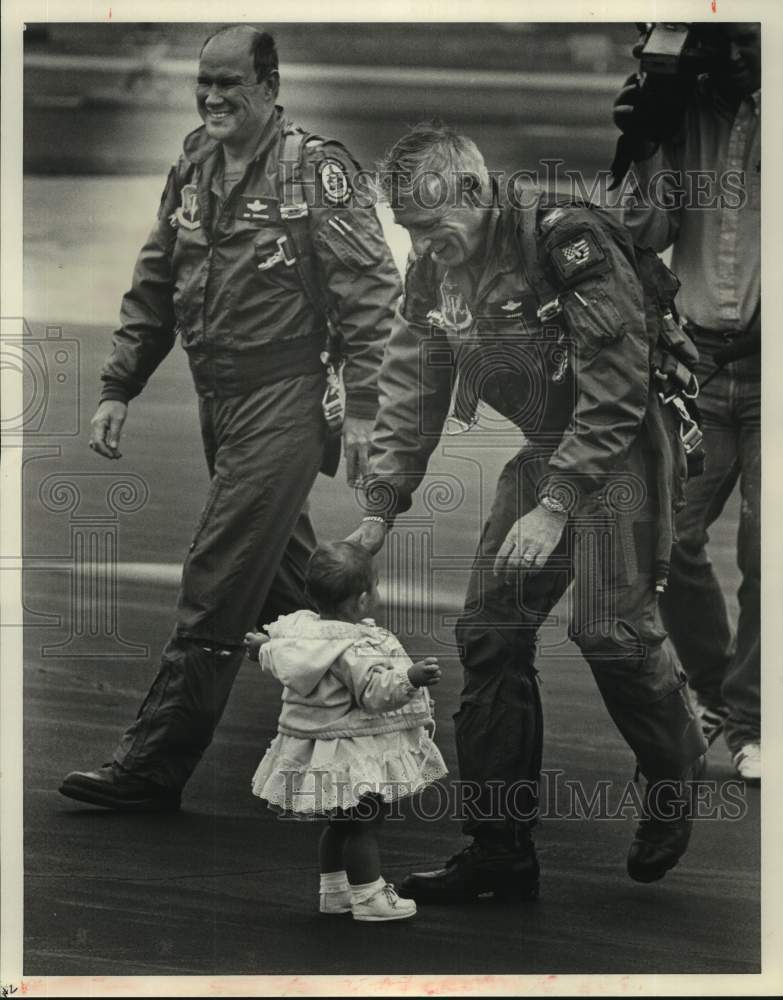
x: 693, y: 131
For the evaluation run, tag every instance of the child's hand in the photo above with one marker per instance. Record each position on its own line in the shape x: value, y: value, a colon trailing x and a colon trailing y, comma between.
x: 424, y: 673
x: 253, y: 643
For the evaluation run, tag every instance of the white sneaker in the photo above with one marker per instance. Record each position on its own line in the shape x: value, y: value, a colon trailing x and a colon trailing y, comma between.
x: 336, y: 902
x: 384, y: 905
x: 748, y: 762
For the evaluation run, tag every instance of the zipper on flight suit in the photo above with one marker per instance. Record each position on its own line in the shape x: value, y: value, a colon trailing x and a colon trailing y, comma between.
x: 209, y: 233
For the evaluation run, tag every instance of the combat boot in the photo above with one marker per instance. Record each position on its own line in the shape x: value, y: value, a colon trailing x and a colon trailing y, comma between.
x: 663, y: 834
x: 113, y: 788
x: 475, y: 871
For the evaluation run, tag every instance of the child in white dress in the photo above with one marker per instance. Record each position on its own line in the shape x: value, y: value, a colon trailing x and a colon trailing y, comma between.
x: 353, y: 729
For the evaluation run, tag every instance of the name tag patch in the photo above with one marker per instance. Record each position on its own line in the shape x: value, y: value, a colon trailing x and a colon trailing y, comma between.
x: 254, y: 208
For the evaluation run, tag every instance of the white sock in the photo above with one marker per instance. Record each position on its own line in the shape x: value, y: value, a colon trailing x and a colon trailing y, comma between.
x: 363, y: 891
x: 334, y: 882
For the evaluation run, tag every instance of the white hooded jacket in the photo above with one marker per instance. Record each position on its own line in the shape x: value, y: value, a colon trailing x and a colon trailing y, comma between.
x: 341, y: 679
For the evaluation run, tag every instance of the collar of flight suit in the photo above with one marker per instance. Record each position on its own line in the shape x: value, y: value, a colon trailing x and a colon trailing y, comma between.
x: 207, y: 155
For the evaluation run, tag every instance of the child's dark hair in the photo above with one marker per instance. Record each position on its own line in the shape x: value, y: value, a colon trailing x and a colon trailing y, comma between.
x: 337, y: 571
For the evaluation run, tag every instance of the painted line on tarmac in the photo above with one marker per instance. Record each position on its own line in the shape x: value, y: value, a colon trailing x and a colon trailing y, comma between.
x: 438, y: 597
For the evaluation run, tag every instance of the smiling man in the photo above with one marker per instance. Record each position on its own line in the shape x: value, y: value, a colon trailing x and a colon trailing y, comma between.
x: 539, y: 312
x: 260, y: 258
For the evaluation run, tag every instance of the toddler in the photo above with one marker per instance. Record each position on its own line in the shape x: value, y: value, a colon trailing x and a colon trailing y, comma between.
x: 354, y: 730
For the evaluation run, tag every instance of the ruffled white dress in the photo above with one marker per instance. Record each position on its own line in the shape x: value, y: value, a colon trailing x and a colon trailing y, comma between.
x: 312, y: 778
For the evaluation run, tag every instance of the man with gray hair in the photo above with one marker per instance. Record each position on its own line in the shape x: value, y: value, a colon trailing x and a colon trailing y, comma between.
x: 539, y: 312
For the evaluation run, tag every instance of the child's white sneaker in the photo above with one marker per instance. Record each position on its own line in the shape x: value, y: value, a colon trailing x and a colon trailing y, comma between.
x: 336, y: 902
x: 385, y: 904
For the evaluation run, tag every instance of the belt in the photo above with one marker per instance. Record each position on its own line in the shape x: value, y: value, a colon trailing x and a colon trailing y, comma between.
x: 233, y: 373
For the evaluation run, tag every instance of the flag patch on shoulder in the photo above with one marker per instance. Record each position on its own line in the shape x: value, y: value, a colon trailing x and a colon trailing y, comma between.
x: 580, y: 252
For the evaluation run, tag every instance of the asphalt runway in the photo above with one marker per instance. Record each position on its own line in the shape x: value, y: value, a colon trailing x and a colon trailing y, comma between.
x: 224, y: 887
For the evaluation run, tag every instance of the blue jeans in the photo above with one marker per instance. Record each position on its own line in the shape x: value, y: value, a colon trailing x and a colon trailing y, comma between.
x: 722, y: 669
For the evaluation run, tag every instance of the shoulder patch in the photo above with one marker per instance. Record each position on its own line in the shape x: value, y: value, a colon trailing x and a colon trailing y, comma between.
x: 336, y: 186
x: 577, y: 256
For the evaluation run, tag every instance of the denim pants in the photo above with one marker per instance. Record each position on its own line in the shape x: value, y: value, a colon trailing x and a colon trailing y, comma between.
x: 245, y: 567
x: 607, y: 549
x: 722, y: 668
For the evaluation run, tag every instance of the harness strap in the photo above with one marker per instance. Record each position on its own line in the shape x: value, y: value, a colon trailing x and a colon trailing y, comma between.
x: 295, y: 216
x: 548, y: 300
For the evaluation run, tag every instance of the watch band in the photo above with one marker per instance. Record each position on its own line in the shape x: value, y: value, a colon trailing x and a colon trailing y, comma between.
x: 552, y: 505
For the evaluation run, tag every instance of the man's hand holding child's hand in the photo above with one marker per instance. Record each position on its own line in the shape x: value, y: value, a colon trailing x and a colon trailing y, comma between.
x: 424, y: 673
x: 253, y: 643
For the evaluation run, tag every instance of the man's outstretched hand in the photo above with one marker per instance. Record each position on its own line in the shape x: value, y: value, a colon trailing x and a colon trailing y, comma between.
x: 370, y: 535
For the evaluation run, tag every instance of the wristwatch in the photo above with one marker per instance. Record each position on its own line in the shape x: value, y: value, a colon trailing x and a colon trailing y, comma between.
x: 552, y: 505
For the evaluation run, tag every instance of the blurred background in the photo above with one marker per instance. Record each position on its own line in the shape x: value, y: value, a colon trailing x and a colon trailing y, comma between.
x: 116, y: 98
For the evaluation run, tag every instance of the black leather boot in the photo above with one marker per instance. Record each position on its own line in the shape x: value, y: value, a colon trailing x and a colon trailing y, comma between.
x: 113, y: 788
x: 663, y: 834
x: 475, y: 871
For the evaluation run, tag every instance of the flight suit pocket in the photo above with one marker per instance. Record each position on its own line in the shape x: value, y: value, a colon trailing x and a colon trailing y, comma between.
x: 593, y: 318
x: 351, y: 239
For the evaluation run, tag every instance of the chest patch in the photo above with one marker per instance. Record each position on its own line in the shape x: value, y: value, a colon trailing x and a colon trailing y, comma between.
x: 255, y: 208
x: 187, y: 215
x: 579, y: 255
x: 454, y: 309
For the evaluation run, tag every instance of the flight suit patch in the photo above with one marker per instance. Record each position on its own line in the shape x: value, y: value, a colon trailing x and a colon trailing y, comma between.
x: 187, y: 215
x: 255, y: 208
x: 578, y: 256
x: 336, y: 187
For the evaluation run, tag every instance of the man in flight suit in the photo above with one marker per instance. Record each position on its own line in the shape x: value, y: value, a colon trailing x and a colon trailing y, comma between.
x: 598, y: 462
x: 259, y: 239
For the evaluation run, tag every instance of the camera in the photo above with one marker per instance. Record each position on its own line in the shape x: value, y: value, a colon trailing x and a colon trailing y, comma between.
x: 45, y: 372
x: 684, y: 49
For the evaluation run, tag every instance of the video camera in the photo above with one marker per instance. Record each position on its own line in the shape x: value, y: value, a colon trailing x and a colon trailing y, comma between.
x: 685, y: 49
x: 651, y: 106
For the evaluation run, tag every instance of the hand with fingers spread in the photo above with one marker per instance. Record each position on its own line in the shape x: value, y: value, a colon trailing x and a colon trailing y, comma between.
x: 356, y: 442
x: 530, y: 542
x: 425, y: 673
x: 107, y: 427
